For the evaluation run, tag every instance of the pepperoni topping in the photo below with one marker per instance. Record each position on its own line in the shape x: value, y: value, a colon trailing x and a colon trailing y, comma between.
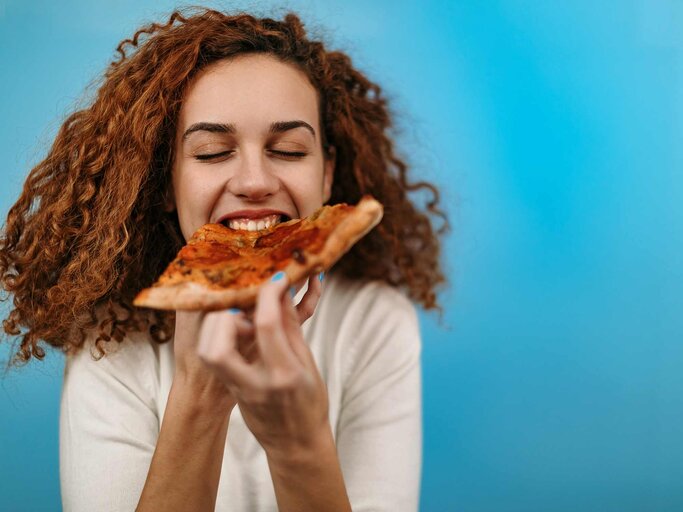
x: 208, y: 253
x: 252, y: 256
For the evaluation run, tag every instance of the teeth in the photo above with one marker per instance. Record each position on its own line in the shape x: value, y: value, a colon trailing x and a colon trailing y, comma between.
x: 254, y: 224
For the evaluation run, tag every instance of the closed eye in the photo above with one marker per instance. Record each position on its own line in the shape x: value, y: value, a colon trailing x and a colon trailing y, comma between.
x: 213, y: 156
x: 288, y: 155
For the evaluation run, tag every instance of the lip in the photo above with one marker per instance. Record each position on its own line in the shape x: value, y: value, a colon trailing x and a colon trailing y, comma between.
x: 251, y: 214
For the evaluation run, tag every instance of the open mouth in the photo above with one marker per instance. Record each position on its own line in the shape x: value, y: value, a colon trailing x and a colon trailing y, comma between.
x: 259, y: 224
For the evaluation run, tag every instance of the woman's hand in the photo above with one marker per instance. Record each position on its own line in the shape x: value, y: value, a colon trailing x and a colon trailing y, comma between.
x: 190, y: 372
x: 269, y: 369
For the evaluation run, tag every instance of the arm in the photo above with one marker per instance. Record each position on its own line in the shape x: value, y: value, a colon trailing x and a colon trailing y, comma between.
x: 283, y: 401
x: 111, y: 445
x: 186, y: 466
x: 309, y: 479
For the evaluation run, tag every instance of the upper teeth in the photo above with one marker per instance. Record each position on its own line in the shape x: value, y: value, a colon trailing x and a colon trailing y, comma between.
x: 254, y: 224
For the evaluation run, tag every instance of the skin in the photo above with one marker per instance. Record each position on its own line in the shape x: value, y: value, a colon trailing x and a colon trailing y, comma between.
x: 259, y: 360
x: 251, y: 169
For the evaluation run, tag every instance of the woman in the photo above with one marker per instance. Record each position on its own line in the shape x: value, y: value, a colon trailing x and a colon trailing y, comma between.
x: 307, y: 407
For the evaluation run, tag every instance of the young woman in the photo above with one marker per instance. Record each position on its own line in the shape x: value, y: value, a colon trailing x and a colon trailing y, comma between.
x: 304, y: 403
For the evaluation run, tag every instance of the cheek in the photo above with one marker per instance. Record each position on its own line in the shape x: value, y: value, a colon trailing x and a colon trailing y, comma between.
x: 194, y: 200
x: 307, y: 192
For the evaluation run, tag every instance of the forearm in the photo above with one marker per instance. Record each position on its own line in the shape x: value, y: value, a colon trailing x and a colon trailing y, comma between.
x: 186, y: 465
x: 310, y: 480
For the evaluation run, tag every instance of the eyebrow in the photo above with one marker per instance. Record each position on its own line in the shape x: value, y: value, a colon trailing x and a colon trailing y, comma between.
x: 276, y: 127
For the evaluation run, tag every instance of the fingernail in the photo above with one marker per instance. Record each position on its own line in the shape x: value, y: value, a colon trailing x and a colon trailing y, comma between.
x: 292, y: 292
x: 233, y: 311
x: 321, y: 276
x: 277, y: 276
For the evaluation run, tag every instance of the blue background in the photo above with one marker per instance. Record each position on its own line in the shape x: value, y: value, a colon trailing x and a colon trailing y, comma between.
x: 556, y: 380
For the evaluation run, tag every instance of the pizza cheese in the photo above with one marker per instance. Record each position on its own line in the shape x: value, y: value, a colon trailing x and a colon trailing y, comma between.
x: 222, y: 267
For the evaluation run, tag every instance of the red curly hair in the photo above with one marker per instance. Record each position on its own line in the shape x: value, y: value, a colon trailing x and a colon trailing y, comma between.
x: 89, y: 229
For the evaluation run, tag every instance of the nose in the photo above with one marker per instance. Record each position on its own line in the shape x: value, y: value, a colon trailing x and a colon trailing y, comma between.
x: 252, y: 180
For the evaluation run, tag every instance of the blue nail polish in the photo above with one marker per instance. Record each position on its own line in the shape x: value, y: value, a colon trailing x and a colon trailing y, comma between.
x: 233, y: 311
x: 292, y: 292
x: 321, y: 276
x: 277, y: 276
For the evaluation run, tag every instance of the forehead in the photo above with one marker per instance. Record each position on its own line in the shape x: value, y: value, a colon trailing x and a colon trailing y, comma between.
x: 250, y: 90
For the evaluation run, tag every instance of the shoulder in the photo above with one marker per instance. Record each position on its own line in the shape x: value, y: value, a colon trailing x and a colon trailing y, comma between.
x: 366, y: 321
x: 127, y: 367
x: 135, y: 347
x: 365, y: 301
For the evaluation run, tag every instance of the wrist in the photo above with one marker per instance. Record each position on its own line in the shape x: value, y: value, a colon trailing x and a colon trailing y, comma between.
x: 309, y: 478
x: 311, y: 452
x: 202, y: 390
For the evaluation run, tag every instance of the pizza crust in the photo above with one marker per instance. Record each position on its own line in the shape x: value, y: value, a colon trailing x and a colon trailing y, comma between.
x: 194, y: 296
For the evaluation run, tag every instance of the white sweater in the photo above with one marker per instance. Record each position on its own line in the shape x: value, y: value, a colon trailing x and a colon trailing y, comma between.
x: 366, y: 343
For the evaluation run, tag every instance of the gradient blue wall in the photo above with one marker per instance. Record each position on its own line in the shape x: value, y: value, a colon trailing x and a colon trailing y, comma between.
x: 556, y: 382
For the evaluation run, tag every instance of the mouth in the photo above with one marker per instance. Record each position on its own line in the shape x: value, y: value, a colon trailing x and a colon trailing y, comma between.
x: 254, y: 223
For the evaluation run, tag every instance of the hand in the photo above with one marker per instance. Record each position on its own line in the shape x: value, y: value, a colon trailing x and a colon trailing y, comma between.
x: 190, y: 371
x: 267, y: 366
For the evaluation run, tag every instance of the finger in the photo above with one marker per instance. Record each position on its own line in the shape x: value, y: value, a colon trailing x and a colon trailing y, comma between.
x: 249, y: 350
x: 295, y: 335
x: 232, y: 369
x: 248, y: 314
x: 298, y: 286
x: 309, y: 301
x: 270, y: 329
x: 245, y: 327
x: 246, y: 344
x: 218, y: 349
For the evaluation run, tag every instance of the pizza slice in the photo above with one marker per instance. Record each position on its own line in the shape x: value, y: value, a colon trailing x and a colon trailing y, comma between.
x: 221, y: 267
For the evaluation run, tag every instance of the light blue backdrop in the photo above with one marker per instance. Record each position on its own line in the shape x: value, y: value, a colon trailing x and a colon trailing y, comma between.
x: 551, y: 128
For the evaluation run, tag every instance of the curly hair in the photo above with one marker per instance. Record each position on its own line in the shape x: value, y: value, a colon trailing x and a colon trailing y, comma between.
x: 89, y: 229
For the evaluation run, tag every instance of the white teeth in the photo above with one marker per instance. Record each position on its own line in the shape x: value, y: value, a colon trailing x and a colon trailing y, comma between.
x: 254, y: 225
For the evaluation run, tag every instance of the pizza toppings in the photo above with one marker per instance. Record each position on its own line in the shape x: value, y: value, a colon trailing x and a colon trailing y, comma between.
x: 223, y: 264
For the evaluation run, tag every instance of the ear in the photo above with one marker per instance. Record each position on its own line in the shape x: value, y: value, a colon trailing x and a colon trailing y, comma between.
x: 328, y: 173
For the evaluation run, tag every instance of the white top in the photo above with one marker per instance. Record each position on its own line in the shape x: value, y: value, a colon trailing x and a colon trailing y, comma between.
x: 366, y: 343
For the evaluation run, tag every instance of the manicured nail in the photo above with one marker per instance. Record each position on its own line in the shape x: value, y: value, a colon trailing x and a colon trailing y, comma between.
x: 321, y: 276
x: 292, y: 292
x: 233, y: 311
x: 277, y: 276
